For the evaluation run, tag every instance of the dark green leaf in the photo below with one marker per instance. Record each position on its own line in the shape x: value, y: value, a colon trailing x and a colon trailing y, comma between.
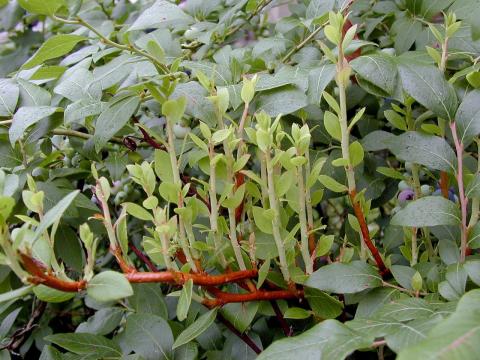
x: 345, y: 278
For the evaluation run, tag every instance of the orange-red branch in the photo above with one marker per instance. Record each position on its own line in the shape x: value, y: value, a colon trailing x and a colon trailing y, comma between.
x: 177, y: 277
x: 357, y: 208
x: 41, y: 275
x: 223, y: 298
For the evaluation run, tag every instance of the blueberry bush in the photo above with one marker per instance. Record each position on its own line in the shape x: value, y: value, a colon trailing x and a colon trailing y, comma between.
x: 210, y: 180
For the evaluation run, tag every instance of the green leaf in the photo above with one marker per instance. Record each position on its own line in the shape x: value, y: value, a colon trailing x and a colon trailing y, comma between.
x: 327, y: 340
x: 378, y: 69
x: 455, y: 337
x: 185, y: 300
x: 169, y: 191
x: 428, y: 211
x: 345, y: 278
x: 356, y: 153
x: 322, y: 304
x: 41, y: 7
x: 149, y: 336
x: 318, y: 80
x: 263, y: 272
x: 473, y: 188
x: 332, y: 184
x: 163, y: 166
x: 103, y: 322
x: 51, y: 295
x: 285, y: 100
x: 174, y: 109
x: 474, y: 79
x: 25, y: 117
x: 395, y: 119
x: 54, y: 214
x: 54, y: 47
x: 324, y: 244
x: 16, y: 294
x: 87, y: 344
x: 406, y: 30
x: 8, y: 322
x: 6, y: 206
x: 332, y: 125
x: 171, y: 14
x: 9, y: 93
x: 296, y: 313
x: 138, y: 211
x: 263, y: 222
x: 240, y: 315
x: 427, y: 85
x: 467, y: 118
x: 148, y: 299
x: 81, y: 109
x: 197, y: 328
x: 431, y: 151
x: 403, y: 275
x: 109, y: 286
x: 113, y: 119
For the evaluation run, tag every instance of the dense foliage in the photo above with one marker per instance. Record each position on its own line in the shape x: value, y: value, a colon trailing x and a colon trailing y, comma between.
x: 197, y: 180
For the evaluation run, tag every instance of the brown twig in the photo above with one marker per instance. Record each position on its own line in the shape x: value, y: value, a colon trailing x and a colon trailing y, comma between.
x: 357, y: 208
x: 287, y: 329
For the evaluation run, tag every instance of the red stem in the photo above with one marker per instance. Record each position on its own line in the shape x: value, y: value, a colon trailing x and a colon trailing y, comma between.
x: 244, y: 337
x: 226, y: 298
x: 151, y: 266
x: 177, y: 277
x: 357, y: 208
x: 461, y: 191
x: 287, y: 329
x: 41, y: 275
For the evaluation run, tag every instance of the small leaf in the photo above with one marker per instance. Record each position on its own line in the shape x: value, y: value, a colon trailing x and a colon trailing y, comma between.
x: 296, y: 313
x: 263, y: 272
x: 138, y: 211
x: 332, y: 125
x: 395, y: 119
x: 332, y: 184
x: 356, y: 153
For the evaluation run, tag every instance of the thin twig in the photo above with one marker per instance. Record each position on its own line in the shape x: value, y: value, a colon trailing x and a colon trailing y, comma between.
x: 244, y: 337
x: 287, y: 329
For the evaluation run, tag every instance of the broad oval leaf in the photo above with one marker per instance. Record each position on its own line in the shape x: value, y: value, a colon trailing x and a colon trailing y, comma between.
x: 149, y: 336
x: 87, y: 344
x: 378, y: 69
x: 327, y: 340
x: 431, y: 151
x: 427, y: 85
x: 113, y: 119
x: 467, y: 118
x: 455, y: 337
x: 428, y: 211
x: 345, y: 278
